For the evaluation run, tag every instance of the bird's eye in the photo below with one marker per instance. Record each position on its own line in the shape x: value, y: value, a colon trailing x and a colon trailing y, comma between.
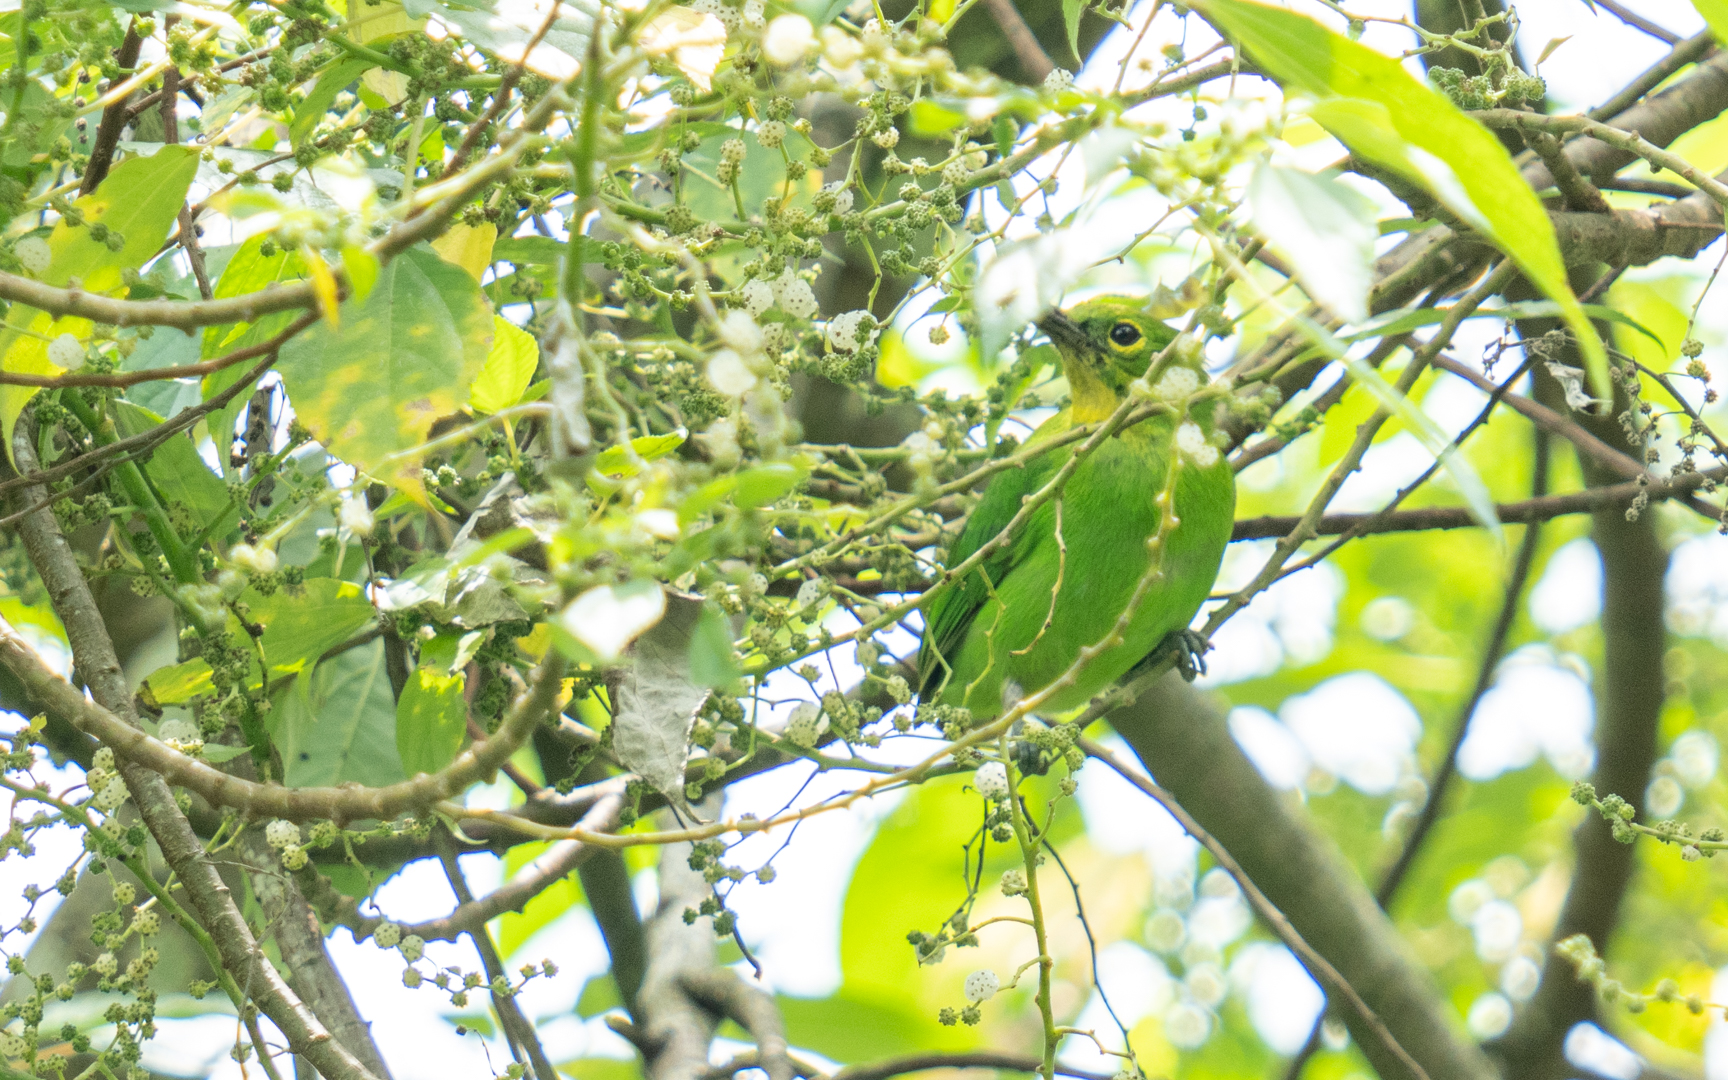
x: 1124, y: 334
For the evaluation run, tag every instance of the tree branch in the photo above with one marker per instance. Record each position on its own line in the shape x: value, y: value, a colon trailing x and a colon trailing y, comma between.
x: 1035, y: 63
x: 1181, y: 737
x: 1323, y: 972
x: 724, y: 993
x: 606, y: 884
x: 93, y: 655
x: 300, y: 939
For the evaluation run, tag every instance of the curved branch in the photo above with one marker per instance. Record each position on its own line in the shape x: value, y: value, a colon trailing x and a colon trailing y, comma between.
x: 339, y: 804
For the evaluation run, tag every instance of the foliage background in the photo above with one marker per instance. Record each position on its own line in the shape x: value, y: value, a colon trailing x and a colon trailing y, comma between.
x: 1340, y: 681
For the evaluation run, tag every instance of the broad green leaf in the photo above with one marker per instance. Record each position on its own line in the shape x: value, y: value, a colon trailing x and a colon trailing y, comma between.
x: 468, y: 246
x: 179, y: 475
x: 509, y: 367
x: 929, y: 119
x: 336, y: 78
x: 618, y: 463
x: 1381, y: 111
x: 339, y: 725
x: 403, y: 357
x: 179, y: 683
x: 1326, y: 230
x: 713, y: 663
x: 505, y: 29
x: 1715, y: 14
x: 1071, y: 12
x: 302, y: 624
x: 761, y: 175
x: 431, y: 720
x: 138, y: 201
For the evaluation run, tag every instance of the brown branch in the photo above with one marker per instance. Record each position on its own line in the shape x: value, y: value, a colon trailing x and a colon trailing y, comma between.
x: 1034, y: 61
x: 1542, y: 508
x: 305, y: 959
x: 114, y: 117
x: 94, y: 657
x: 724, y: 993
x: 1578, y: 193
x: 606, y: 884
x: 970, y: 1059
x: 339, y: 804
x: 1633, y: 19
x: 1318, y: 966
x: 674, y: 1031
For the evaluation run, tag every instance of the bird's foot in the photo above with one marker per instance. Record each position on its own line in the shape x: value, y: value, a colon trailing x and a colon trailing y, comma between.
x: 1189, y: 649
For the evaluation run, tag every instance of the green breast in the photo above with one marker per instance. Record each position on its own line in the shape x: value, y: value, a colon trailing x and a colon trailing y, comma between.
x: 1046, y: 601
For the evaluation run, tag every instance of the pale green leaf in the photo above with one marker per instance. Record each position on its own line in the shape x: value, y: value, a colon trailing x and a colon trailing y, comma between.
x: 179, y: 475
x: 431, y: 720
x: 139, y: 201
x: 1715, y: 14
x: 339, y: 725
x: 1326, y: 230
x: 1382, y: 112
x: 508, y: 369
x: 317, y: 102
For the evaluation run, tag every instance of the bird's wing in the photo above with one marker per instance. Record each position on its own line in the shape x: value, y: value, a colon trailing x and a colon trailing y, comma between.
x: 949, y: 617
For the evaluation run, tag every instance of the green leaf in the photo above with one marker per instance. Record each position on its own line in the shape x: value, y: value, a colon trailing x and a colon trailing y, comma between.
x: 506, y: 29
x: 179, y: 683
x: 713, y: 663
x: 138, y: 201
x: 1071, y: 12
x: 1715, y: 14
x: 303, y: 624
x: 618, y: 463
x: 431, y: 720
x: 336, y: 78
x: 402, y: 358
x: 247, y: 272
x: 508, y: 369
x: 175, y: 469
x: 339, y: 725
x: 1373, y: 105
x: 761, y: 175
x: 1326, y: 230
x: 929, y: 119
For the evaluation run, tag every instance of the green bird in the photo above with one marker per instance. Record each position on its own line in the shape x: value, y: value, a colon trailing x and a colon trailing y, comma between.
x: 1019, y: 620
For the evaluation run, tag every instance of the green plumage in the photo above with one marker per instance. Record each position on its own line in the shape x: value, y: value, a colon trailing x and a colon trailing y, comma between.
x: 999, y: 628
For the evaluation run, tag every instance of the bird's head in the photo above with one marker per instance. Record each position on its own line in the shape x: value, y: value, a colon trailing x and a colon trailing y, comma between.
x: 1106, y: 343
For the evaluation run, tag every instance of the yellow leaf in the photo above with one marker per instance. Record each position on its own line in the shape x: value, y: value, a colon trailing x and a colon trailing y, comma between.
x: 509, y: 367
x: 323, y: 286
x: 468, y: 246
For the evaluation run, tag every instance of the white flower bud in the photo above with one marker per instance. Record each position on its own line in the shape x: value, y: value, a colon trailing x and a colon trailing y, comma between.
x: 1192, y: 444
x: 797, y: 298
x: 729, y: 375
x: 805, y: 725
x: 34, y: 253
x: 771, y: 134
x: 757, y: 296
x: 739, y: 331
x: 279, y: 834
x: 982, y: 986
x: 844, y: 331
x: 356, y: 517
x: 810, y: 593
x: 991, y: 780
x: 787, y: 39
x: 253, y: 560
x: 112, y: 796
x: 66, y: 352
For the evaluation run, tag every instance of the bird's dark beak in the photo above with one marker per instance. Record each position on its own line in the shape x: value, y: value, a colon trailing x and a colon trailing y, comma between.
x: 1064, y: 332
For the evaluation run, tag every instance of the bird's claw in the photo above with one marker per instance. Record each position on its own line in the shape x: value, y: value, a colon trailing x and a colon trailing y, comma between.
x: 1188, y: 647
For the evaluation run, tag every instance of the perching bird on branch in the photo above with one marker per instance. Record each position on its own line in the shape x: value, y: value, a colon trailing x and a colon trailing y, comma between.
x: 1060, y: 584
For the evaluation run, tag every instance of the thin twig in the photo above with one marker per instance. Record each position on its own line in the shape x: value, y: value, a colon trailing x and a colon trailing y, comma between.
x: 1317, y: 965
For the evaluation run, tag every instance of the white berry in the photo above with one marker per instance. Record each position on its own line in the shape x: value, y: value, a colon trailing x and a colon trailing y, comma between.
x: 279, y: 834
x: 991, y: 780
x: 34, y: 253
x: 66, y: 352
x: 982, y: 986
